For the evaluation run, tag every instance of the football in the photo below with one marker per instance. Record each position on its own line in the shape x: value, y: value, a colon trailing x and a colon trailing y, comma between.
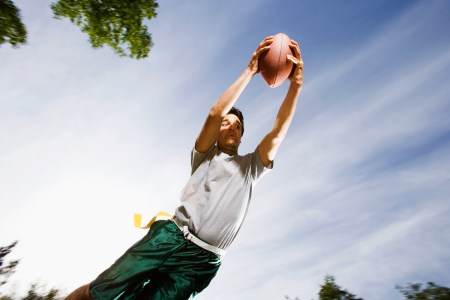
x: 274, y: 66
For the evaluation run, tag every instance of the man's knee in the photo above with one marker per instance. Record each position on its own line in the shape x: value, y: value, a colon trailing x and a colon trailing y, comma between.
x: 81, y: 293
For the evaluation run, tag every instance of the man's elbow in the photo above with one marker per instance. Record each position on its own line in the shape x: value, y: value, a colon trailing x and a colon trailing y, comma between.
x: 217, y: 112
x: 277, y: 137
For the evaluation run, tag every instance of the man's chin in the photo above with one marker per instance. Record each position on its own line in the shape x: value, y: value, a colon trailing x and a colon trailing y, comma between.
x: 229, y: 147
x: 232, y: 143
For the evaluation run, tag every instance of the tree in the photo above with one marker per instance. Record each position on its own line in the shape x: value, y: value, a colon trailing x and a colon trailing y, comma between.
x: 37, y: 292
x: 415, y: 291
x: 331, y: 291
x: 116, y: 23
x: 8, y: 269
x: 12, y: 30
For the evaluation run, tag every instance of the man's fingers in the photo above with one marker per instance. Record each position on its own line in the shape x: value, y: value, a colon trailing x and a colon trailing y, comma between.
x: 269, y: 38
x: 295, y: 49
x: 261, y: 50
x: 265, y: 43
x: 293, y: 59
x: 294, y: 42
x: 296, y: 61
x: 263, y: 46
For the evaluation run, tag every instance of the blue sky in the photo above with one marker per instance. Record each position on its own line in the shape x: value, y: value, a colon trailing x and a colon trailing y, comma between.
x: 361, y: 185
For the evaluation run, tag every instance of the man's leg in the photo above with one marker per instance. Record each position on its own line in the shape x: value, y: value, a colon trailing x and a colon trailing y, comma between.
x: 141, y: 262
x: 184, y: 274
x: 81, y: 293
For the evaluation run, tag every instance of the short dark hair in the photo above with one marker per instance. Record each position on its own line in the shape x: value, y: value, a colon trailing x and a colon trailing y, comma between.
x: 235, y: 111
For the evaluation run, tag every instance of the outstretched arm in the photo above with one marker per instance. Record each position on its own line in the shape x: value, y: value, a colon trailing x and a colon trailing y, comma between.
x: 211, y: 128
x: 268, y: 147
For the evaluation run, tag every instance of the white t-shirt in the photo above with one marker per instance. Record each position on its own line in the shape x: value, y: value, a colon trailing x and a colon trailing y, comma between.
x: 215, y: 200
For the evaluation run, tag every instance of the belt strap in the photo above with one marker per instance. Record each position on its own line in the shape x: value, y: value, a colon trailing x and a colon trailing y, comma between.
x: 192, y: 238
x: 162, y: 215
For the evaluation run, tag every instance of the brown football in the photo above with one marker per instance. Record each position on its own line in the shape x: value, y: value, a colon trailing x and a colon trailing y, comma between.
x: 274, y: 66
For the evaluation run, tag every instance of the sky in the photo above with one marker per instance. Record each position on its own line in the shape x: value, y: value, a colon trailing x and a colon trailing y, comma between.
x: 361, y: 185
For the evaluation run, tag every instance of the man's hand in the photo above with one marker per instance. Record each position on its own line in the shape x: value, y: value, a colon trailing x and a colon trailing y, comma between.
x: 296, y: 76
x: 263, y: 46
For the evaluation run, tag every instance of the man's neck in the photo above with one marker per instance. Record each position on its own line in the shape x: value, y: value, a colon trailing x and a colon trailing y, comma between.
x: 230, y: 150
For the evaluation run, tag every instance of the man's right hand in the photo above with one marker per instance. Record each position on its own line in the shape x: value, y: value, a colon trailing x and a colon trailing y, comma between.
x: 263, y: 46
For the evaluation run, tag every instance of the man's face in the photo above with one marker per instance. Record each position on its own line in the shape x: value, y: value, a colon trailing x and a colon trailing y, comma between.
x: 230, y: 134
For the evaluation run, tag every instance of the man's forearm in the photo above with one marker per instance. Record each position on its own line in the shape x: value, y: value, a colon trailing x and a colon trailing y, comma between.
x: 231, y: 94
x: 286, y: 112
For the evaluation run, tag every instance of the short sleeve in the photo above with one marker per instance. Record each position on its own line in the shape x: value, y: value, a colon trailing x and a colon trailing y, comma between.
x: 258, y: 168
x: 197, y: 158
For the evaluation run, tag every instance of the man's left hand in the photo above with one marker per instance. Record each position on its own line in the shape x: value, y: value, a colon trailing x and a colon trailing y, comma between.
x: 296, y: 76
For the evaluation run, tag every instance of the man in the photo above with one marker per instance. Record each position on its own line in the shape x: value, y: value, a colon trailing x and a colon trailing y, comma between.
x: 178, y: 258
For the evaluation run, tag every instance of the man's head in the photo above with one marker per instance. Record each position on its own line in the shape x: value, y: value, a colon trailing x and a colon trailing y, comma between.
x: 231, y: 131
x: 235, y: 111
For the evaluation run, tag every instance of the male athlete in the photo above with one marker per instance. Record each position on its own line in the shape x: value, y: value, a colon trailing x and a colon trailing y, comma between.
x: 179, y: 257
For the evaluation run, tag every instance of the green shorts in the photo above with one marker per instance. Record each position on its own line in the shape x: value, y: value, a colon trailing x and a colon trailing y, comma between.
x: 162, y: 265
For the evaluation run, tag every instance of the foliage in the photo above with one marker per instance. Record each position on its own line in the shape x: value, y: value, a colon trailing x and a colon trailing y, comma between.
x: 35, y: 292
x: 331, y: 291
x: 8, y: 269
x: 415, y: 291
x: 38, y: 293
x: 12, y: 30
x: 115, y: 23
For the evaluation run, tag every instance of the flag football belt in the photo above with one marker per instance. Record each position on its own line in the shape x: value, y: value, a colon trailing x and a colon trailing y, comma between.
x: 190, y: 237
x: 184, y: 229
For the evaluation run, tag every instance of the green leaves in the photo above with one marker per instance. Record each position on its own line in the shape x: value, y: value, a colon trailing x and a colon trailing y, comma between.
x: 116, y: 23
x: 414, y: 291
x: 10, y: 267
x: 12, y: 30
x: 36, y: 291
x: 331, y: 291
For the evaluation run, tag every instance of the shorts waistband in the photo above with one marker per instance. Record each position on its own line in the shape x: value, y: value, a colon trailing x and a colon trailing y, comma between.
x: 192, y: 238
